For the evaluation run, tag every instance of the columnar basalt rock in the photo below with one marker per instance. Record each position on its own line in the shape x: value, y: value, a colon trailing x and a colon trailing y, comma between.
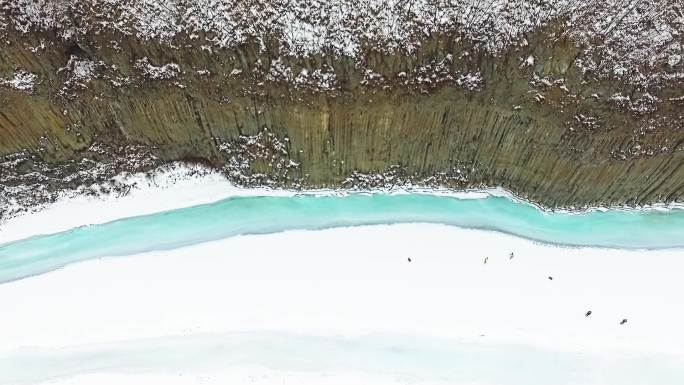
x: 542, y: 99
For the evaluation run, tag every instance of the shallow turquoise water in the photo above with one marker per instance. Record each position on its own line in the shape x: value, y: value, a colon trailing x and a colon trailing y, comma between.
x: 256, y: 215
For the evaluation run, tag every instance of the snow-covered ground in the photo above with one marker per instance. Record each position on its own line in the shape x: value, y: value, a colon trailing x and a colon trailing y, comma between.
x: 338, y: 306
x: 347, y: 283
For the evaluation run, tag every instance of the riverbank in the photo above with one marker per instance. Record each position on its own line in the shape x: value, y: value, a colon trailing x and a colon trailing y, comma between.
x: 166, y: 188
x: 181, y: 185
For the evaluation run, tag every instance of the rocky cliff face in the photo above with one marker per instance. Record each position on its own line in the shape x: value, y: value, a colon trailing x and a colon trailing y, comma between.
x: 567, y: 103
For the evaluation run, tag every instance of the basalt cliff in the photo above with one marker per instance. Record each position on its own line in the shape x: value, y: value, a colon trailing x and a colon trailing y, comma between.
x: 567, y: 103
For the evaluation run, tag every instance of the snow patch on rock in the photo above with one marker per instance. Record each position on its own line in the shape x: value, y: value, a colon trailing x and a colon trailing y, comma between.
x: 21, y: 81
x: 164, y: 72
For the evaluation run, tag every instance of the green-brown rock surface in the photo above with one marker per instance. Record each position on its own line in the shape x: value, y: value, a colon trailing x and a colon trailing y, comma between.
x: 529, y: 118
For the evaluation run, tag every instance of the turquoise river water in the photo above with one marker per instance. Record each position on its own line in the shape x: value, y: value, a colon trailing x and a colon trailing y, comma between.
x: 643, y: 229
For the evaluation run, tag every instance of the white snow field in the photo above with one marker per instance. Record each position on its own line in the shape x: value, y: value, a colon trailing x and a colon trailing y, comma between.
x: 345, y: 306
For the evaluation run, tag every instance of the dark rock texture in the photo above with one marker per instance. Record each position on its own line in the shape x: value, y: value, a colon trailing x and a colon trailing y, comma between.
x: 529, y: 115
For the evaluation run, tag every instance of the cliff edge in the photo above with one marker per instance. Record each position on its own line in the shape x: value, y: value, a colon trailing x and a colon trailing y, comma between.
x: 568, y: 103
